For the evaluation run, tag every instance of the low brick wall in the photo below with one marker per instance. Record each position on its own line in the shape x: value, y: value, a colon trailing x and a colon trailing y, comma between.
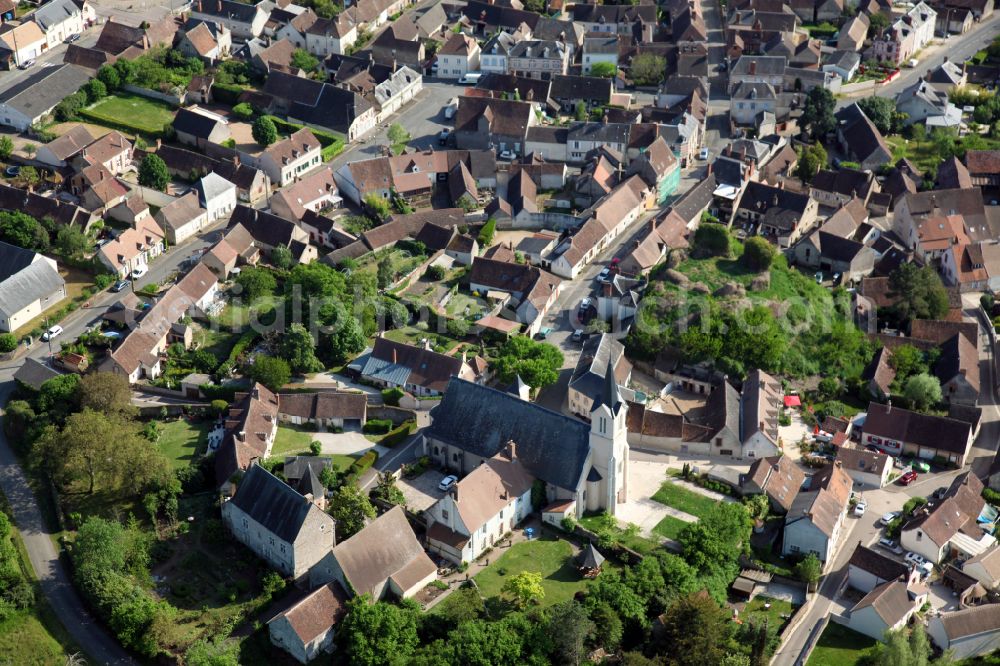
x: 397, y: 415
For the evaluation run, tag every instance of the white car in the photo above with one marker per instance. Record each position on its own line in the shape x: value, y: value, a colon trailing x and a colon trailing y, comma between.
x: 507, y: 155
x: 605, y: 276
x: 916, y: 559
x: 860, y: 508
x: 890, y: 545
x: 51, y: 333
x: 447, y: 482
x: 703, y: 154
x: 889, y: 517
x: 138, y: 272
x: 585, y: 304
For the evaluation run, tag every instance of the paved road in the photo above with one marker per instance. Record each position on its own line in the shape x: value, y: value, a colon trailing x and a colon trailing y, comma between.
x: 957, y: 48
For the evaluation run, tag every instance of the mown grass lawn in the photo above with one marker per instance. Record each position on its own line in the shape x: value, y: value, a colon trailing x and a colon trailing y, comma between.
x: 640, y: 544
x: 670, y: 527
x: 181, y: 440
x: 141, y: 113
x: 291, y: 440
x: 776, y: 615
x: 547, y: 555
x: 839, y: 646
x: 682, y: 499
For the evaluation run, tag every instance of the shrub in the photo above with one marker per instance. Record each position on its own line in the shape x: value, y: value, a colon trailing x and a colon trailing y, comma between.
x: 486, y: 234
x: 243, y: 111
x: 362, y: 464
x: 991, y: 496
x: 315, y: 448
x: 377, y: 426
x: 392, y: 395
x: 398, y: 434
x: 434, y: 273
x: 8, y: 342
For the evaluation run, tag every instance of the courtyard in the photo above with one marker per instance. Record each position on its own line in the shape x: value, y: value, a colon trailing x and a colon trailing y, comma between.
x: 132, y: 112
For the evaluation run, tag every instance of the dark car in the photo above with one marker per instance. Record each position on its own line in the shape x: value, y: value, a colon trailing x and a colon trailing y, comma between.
x: 72, y: 38
x: 120, y: 285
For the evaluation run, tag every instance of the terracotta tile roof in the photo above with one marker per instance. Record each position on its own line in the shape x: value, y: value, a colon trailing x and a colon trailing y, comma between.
x: 938, y: 331
x: 490, y: 487
x: 323, y: 405
x: 202, y: 39
x: 70, y: 143
x: 309, y: 189
x: 890, y: 600
x: 989, y: 559
x: 294, y: 147
x: 825, y: 501
x: 983, y: 162
x: 321, y: 610
x: 861, y: 460
x: 880, y: 370
x: 108, y: 147
x: 958, y: 357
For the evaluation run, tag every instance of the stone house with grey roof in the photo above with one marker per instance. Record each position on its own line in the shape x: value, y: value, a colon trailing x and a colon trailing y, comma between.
x: 383, y: 559
x: 285, y: 529
x: 886, y: 608
x: 816, y: 517
x: 969, y: 632
x: 584, y: 464
x: 29, y: 284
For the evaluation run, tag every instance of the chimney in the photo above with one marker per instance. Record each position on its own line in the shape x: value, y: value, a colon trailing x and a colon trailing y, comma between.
x: 708, y: 172
x: 454, y: 488
x: 427, y: 344
x: 241, y: 436
x: 753, y: 66
x: 199, y: 5
x: 159, y: 142
x: 608, y: 286
x: 218, y: 6
x: 394, y: 358
x: 510, y: 450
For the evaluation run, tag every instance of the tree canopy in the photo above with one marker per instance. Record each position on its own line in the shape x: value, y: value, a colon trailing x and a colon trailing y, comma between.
x: 153, y: 173
x: 817, y: 113
x: 269, y: 371
x: 537, y: 363
x: 263, y: 131
x: 351, y: 508
x: 920, y: 293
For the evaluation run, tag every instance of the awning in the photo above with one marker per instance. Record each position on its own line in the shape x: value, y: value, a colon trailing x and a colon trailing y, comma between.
x: 792, y: 401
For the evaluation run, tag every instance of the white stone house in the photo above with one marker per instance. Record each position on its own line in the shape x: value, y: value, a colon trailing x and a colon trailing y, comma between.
x: 216, y: 195
x: 277, y: 524
x: 967, y: 633
x: 286, y: 160
x: 886, y: 608
x: 29, y: 284
x: 395, y: 92
x: 816, y: 518
x: 59, y: 20
x: 481, y: 508
x: 459, y: 56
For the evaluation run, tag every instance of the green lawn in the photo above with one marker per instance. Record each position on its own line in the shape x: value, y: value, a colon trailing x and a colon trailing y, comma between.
x: 640, y: 544
x: 682, y: 499
x: 779, y: 608
x: 670, y: 527
x: 547, y: 555
x: 132, y: 111
x: 181, y: 440
x: 25, y: 640
x: 839, y: 646
x: 291, y: 440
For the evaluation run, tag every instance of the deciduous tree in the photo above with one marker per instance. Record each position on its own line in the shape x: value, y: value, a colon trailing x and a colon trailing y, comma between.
x: 153, y: 173
x: 105, y: 392
x: 299, y: 348
x: 695, y: 632
x: 647, y: 69
x: 922, y: 391
x: 817, y: 113
x: 269, y: 371
x: 377, y: 634
x: 351, y: 508
x: 255, y: 282
x: 537, y: 363
x: 524, y: 588
x: 920, y: 293
x: 264, y: 132
x: 757, y: 254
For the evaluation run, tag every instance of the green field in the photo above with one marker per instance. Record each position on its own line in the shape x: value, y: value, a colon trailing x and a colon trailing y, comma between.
x: 291, y: 440
x: 682, y: 499
x: 547, y: 555
x: 132, y: 111
x: 839, y: 646
x: 182, y: 440
x: 776, y: 615
x: 670, y: 527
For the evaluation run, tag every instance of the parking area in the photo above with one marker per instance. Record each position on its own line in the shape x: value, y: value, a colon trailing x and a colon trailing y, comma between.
x: 942, y: 597
x: 347, y: 443
x: 422, y: 492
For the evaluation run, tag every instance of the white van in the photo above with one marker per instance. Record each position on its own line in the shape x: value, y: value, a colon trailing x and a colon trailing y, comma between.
x: 451, y: 108
x: 471, y: 78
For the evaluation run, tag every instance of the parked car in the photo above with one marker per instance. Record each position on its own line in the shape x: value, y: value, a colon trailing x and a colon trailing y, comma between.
x: 120, y: 285
x: 544, y: 333
x: 51, y: 333
x: 451, y: 109
x: 940, y: 493
x: 506, y: 155
x: 586, y: 304
x: 443, y: 137
x: 916, y: 559
x: 138, y: 272
x: 890, y: 545
x: 578, y: 335
x: 447, y: 482
x: 26, y: 64
x: 860, y: 508
x: 703, y: 154
x: 908, y: 478
x: 72, y: 38
x: 471, y: 78
x: 889, y: 517
x: 604, y: 276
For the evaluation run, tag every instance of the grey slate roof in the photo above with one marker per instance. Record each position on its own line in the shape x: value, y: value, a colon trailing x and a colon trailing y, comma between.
x: 24, y: 282
x: 39, y: 93
x: 196, y: 124
x: 482, y: 420
x: 212, y: 186
x: 272, y: 503
x: 55, y: 12
x: 588, y: 376
x: 34, y: 373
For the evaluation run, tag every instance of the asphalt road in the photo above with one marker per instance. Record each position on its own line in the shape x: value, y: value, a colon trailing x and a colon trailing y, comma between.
x: 957, y: 48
